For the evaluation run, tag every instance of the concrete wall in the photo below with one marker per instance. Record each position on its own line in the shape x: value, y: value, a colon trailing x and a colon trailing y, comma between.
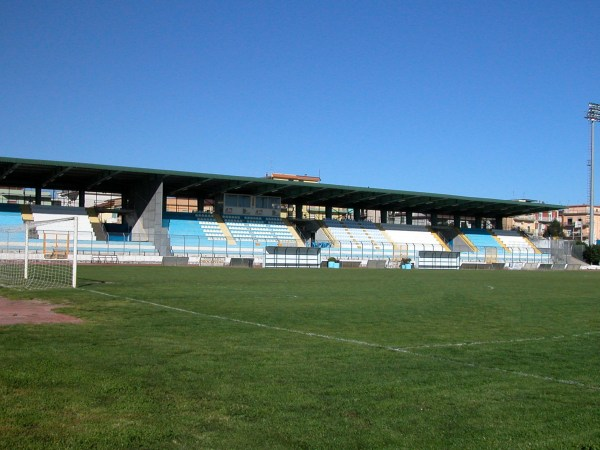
x: 146, y: 200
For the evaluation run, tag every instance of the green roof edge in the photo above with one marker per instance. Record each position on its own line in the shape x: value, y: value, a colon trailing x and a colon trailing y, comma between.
x: 547, y: 206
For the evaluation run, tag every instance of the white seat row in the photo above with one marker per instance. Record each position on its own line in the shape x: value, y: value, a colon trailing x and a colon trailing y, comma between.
x: 424, y: 238
x: 48, y: 213
x: 257, y: 228
x: 364, y: 233
x: 516, y: 243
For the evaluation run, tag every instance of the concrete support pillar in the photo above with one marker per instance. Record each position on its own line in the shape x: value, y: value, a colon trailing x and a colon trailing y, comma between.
x: 200, y: 204
x: 356, y: 213
x: 38, y: 195
x: 478, y: 222
x: 409, y: 217
x: 81, y: 198
x: 384, y: 216
x: 457, y: 221
x: 329, y: 212
x: 298, y: 207
x: 434, y: 220
x: 499, y: 225
x: 148, y: 203
x: 124, y: 200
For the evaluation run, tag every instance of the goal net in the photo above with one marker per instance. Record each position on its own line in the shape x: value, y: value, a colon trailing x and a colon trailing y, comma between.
x: 39, y: 254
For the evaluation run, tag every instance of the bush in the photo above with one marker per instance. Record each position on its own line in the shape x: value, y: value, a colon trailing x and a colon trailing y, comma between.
x: 591, y: 254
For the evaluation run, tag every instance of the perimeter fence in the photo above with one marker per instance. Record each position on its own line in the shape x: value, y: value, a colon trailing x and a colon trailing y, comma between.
x: 197, y: 248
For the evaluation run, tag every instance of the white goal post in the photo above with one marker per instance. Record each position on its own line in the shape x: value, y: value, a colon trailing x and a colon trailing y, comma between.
x: 39, y: 254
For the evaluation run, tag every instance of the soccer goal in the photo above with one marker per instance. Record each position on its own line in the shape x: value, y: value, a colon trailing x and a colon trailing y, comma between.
x: 39, y: 254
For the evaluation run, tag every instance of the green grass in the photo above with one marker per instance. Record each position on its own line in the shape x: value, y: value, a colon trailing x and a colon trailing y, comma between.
x: 346, y: 359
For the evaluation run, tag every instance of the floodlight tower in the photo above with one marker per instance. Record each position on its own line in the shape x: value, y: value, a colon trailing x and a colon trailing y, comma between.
x: 593, y: 115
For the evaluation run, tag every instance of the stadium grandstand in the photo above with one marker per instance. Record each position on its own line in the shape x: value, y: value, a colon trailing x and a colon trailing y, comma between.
x: 148, y: 216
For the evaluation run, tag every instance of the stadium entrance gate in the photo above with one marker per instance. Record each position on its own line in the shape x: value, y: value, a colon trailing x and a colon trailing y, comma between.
x: 292, y: 257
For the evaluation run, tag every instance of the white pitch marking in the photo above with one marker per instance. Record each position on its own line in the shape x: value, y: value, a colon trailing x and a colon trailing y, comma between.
x: 405, y: 350
x: 498, y: 342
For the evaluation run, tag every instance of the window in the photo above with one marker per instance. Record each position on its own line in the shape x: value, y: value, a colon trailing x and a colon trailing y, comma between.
x: 240, y: 201
x: 268, y: 202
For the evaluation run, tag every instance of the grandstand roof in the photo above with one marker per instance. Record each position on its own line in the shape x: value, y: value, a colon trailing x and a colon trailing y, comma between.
x: 59, y: 175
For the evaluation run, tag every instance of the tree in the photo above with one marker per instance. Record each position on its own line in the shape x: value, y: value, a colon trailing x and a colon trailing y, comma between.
x: 554, y: 230
x: 591, y: 254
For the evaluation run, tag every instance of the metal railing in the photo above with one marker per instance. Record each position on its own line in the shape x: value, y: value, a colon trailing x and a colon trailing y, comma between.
x: 511, y: 255
x: 550, y: 251
x: 190, y: 245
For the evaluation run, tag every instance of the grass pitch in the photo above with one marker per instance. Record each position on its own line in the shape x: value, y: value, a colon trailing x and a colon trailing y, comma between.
x: 225, y: 358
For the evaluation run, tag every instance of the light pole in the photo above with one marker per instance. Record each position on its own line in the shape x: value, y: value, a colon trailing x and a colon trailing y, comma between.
x: 593, y: 115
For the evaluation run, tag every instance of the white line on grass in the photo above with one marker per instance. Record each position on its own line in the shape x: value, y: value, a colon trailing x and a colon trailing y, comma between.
x: 506, y: 341
x: 405, y: 350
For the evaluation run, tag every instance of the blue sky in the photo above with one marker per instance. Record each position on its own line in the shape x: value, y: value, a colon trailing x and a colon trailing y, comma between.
x: 477, y: 98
